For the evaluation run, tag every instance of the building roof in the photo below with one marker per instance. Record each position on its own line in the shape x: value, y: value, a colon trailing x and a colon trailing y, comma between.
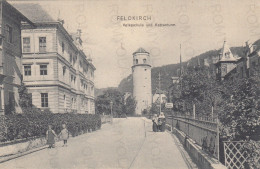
x: 140, y: 50
x: 34, y: 12
x: 16, y: 12
x: 226, y: 54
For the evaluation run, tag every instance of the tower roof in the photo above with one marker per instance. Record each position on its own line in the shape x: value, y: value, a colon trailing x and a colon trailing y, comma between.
x: 140, y: 50
x: 226, y: 54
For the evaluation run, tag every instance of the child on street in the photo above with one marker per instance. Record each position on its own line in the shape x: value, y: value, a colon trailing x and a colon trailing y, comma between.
x: 64, y: 135
x: 50, y: 137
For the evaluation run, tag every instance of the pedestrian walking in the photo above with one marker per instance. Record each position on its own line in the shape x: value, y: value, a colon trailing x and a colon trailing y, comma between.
x: 64, y: 134
x: 155, y: 122
x: 50, y: 137
x: 161, y: 122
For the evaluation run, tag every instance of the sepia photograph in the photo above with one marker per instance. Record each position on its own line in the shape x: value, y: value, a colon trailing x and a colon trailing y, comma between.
x: 129, y: 84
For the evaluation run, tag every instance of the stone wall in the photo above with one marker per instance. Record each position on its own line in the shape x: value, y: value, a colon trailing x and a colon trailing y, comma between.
x: 21, y: 147
x: 201, y: 158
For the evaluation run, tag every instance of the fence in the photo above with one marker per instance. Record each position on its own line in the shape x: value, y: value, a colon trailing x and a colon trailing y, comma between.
x: 235, y: 157
x: 204, y: 133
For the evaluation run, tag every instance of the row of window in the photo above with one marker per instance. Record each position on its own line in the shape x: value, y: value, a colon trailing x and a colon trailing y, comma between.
x: 73, y: 102
x: 27, y: 44
x: 45, y: 101
x: 42, y: 49
x: 136, y: 61
x: 85, y: 86
x: 28, y: 70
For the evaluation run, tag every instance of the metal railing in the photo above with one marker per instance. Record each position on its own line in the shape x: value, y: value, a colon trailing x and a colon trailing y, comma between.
x: 204, y: 133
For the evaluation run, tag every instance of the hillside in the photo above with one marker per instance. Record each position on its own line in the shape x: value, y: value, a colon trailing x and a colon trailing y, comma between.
x: 99, y: 92
x: 168, y: 71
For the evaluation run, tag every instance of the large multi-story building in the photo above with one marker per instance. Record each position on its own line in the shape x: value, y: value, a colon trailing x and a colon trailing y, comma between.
x: 56, y: 72
x: 10, y: 56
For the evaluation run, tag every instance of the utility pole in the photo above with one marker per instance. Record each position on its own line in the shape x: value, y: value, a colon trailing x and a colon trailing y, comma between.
x: 160, y: 92
x: 180, y: 61
x: 181, y: 75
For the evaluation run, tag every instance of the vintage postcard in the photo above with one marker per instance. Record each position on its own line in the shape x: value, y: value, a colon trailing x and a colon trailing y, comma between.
x: 133, y: 84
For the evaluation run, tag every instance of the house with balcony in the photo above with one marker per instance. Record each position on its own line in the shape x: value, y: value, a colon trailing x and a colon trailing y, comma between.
x: 57, y: 73
x: 10, y: 56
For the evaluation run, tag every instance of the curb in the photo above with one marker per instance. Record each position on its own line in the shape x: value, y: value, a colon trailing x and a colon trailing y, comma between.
x: 11, y: 157
x: 184, y: 153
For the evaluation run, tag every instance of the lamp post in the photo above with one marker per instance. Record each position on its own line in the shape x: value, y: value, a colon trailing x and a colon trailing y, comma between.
x: 111, y: 106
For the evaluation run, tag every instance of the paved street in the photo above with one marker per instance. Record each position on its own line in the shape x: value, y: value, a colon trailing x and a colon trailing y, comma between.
x: 127, y: 143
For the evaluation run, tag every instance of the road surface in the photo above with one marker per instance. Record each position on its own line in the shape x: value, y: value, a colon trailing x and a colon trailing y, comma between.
x: 127, y: 143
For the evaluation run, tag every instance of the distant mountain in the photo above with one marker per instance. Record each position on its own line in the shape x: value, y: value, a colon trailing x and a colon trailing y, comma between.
x: 99, y: 92
x: 168, y: 71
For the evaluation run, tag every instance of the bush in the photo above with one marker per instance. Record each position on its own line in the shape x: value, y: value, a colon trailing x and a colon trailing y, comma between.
x: 35, y: 124
x: 252, y: 149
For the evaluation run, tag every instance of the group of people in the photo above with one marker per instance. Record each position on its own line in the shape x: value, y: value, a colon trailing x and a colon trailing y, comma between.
x: 158, y: 122
x: 50, y: 136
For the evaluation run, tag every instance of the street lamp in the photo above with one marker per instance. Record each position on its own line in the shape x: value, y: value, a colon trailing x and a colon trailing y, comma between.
x: 111, y: 106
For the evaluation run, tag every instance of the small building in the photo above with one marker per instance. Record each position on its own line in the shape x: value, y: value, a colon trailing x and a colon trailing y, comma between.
x: 156, y: 97
x: 10, y: 56
x: 57, y: 73
x: 253, y: 58
x: 142, y: 85
x: 229, y: 64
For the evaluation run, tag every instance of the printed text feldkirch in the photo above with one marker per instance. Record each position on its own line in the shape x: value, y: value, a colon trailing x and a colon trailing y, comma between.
x: 134, y: 18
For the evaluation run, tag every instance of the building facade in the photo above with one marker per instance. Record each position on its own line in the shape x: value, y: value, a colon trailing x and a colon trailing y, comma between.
x: 229, y: 64
x: 142, y: 86
x: 253, y: 59
x: 243, y: 66
x: 10, y: 57
x: 57, y: 73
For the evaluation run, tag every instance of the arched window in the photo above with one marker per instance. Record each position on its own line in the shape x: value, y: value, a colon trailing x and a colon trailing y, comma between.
x: 144, y: 60
x: 136, y: 61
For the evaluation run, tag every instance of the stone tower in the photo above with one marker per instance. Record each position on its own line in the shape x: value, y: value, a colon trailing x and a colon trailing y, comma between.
x: 142, y: 87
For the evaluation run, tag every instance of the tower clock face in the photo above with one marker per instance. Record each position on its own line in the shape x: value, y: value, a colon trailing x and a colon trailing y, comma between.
x: 224, y: 68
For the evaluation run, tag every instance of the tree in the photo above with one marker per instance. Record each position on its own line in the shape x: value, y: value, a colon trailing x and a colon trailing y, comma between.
x: 240, y: 114
x: 103, y: 102
x: 25, y: 99
x: 129, y: 106
x: 198, y: 87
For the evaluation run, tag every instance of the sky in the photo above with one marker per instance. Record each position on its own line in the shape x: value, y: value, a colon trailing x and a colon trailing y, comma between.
x: 200, y: 25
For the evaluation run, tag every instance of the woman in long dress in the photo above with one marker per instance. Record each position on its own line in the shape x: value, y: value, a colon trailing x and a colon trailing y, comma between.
x: 161, y: 122
x: 50, y: 136
x: 155, y: 122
